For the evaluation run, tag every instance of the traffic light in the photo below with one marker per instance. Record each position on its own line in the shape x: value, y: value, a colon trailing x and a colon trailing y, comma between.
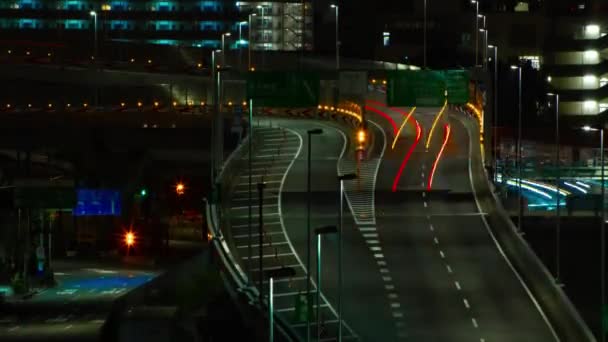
x: 143, y: 192
x: 179, y: 188
x: 129, y: 239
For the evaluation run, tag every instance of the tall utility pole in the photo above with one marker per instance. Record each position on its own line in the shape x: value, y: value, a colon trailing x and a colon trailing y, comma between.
x: 337, y: 8
x: 476, y: 2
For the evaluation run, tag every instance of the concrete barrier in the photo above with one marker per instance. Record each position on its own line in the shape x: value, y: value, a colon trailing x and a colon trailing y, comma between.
x: 551, y: 300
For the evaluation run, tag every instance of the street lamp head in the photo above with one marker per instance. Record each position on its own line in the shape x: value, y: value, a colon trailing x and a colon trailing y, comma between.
x: 480, y: 16
x: 588, y: 128
x: 514, y: 67
x: 93, y: 13
x: 491, y: 46
x: 315, y: 131
x: 550, y: 94
x: 333, y: 6
x: 473, y: 1
x: 482, y: 30
x: 227, y: 34
x: 259, y: 7
x: 243, y: 23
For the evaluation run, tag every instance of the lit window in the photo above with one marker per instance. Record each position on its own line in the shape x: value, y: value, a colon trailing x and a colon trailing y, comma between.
x: 386, y: 38
x: 522, y: 7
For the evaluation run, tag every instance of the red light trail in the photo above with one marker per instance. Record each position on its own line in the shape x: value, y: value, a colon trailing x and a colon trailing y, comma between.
x: 445, y: 141
x: 407, y: 156
x: 386, y: 116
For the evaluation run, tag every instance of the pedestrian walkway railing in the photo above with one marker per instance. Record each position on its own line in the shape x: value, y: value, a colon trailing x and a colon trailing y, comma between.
x: 217, y: 224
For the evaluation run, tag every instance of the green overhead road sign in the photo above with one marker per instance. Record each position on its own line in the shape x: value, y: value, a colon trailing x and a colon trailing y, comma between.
x: 426, y: 88
x: 283, y: 89
x: 411, y: 88
x: 457, y: 85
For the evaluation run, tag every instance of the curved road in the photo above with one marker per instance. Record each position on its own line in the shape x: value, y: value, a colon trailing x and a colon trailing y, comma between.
x: 452, y: 283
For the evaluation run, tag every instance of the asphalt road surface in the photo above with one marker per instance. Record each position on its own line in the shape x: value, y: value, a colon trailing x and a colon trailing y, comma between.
x: 450, y: 280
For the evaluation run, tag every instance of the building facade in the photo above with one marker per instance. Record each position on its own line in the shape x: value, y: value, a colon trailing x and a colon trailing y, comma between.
x: 128, y: 29
x: 576, y: 60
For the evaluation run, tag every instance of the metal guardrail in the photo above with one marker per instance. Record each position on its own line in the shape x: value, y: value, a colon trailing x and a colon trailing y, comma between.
x: 556, y: 306
x: 237, y: 277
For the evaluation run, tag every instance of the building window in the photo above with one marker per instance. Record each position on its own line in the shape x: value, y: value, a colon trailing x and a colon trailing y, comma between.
x: 28, y: 24
x: 534, y: 61
x: 386, y: 38
x: 74, y: 24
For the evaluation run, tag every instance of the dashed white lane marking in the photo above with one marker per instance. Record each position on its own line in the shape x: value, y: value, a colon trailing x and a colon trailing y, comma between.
x: 367, y: 229
x: 457, y: 285
x: 425, y: 204
x: 387, y: 279
x: 422, y: 174
x: 466, y: 303
x: 397, y: 314
x: 431, y: 227
x: 423, y: 166
x: 370, y: 235
x: 424, y: 195
x: 395, y: 305
x: 379, y: 256
x: 372, y: 242
x: 384, y: 270
x: 392, y: 296
x: 474, y: 321
x: 482, y: 340
x: 375, y: 248
x: 381, y: 263
x: 449, y: 268
x: 436, y: 240
x: 422, y: 184
x: 67, y: 327
x: 389, y: 287
x: 442, y: 255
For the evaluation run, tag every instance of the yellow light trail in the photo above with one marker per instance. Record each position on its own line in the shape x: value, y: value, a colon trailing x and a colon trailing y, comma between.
x: 407, y: 118
x: 428, y: 140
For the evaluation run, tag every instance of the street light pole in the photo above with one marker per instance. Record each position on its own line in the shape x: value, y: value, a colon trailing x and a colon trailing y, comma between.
x: 337, y: 8
x: 319, y: 232
x: 341, y: 179
x: 94, y: 15
x: 310, y: 132
x: 283, y: 272
x: 519, y: 148
x: 249, y: 219
x: 476, y: 2
x: 485, y: 45
x: 495, y: 119
x: 227, y: 34
x: 603, y: 236
x: 249, y: 41
x: 240, y: 43
x: 263, y: 36
x: 557, y: 184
